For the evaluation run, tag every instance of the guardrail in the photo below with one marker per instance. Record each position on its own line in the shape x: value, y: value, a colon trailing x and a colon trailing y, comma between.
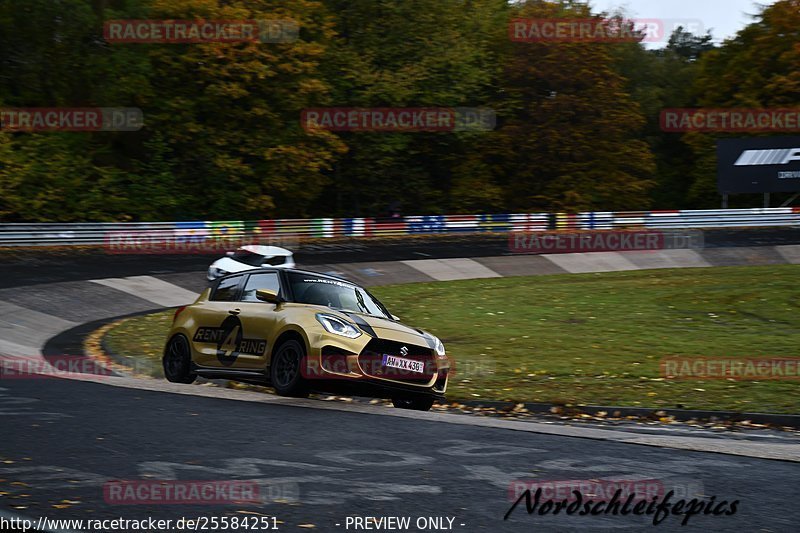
x: 113, y: 234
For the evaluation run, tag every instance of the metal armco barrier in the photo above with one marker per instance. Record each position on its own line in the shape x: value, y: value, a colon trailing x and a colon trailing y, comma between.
x: 119, y: 233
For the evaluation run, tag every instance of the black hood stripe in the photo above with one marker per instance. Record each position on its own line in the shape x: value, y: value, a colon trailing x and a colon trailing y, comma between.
x: 363, y: 324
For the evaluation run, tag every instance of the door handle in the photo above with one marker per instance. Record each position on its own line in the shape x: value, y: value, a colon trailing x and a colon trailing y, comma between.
x: 235, y: 311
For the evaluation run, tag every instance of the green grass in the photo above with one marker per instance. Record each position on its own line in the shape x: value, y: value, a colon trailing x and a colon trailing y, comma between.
x: 595, y: 338
x: 139, y: 342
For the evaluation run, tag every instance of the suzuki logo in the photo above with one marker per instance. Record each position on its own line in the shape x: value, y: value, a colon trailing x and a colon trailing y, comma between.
x: 404, y: 351
x: 780, y: 156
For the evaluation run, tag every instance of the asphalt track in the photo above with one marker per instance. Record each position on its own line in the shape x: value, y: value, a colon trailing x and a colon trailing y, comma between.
x: 316, y: 463
x: 318, y: 467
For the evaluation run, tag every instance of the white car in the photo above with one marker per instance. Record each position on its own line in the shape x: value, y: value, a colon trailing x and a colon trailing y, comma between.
x: 249, y: 258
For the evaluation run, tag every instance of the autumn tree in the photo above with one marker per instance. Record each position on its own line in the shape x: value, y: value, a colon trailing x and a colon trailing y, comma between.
x: 657, y: 79
x: 570, y: 133
x: 758, y: 68
x: 414, y: 53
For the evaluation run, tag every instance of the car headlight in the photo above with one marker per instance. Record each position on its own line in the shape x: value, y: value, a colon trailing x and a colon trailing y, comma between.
x: 337, y: 326
x: 439, y: 347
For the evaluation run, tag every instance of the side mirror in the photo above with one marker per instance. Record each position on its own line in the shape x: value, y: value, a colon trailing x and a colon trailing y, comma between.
x: 266, y: 295
x: 396, y: 318
x: 229, y: 254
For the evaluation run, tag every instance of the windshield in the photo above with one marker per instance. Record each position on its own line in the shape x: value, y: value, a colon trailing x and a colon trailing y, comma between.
x: 248, y: 258
x: 316, y: 290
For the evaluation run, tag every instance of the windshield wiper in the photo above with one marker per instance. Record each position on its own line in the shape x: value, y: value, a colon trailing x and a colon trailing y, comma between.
x: 361, y: 303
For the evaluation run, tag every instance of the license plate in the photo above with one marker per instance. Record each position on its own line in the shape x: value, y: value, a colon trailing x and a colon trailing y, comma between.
x: 404, y: 364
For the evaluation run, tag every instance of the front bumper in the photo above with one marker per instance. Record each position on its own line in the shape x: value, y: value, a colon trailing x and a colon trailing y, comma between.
x: 342, y: 365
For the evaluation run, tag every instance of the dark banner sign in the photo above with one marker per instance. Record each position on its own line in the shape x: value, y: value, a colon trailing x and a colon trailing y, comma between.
x: 758, y: 164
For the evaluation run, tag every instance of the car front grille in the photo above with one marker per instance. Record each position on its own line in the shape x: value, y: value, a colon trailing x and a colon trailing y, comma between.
x: 371, y: 360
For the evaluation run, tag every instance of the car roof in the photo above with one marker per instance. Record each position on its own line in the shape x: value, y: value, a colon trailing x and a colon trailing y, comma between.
x: 265, y: 250
x: 292, y: 270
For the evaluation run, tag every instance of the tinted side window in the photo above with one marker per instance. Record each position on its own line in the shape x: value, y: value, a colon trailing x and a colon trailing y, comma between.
x: 248, y: 258
x: 268, y: 280
x: 226, y: 290
x: 275, y: 261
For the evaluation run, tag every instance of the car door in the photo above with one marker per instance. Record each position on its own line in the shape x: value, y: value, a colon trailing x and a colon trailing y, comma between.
x: 218, y: 325
x: 259, y: 320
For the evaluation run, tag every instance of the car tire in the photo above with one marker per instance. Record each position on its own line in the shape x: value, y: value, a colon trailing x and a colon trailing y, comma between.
x: 177, y: 361
x: 416, y: 404
x: 285, y: 373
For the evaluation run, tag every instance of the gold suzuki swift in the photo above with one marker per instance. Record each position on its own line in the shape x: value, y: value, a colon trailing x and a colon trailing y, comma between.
x: 299, y: 332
